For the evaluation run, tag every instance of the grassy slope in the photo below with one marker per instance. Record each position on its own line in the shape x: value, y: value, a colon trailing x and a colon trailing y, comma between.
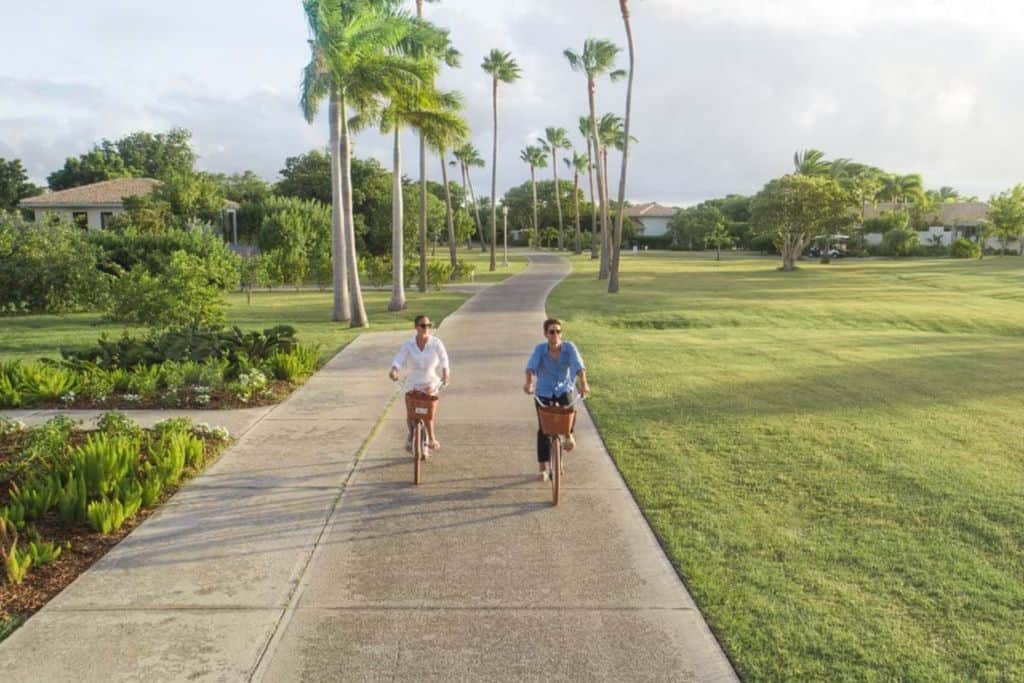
x: 832, y: 458
x: 30, y: 337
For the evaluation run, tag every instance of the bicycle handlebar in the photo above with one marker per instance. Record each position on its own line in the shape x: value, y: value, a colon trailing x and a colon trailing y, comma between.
x: 572, y: 404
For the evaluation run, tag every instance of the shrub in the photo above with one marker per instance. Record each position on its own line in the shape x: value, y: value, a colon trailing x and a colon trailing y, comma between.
x: 115, y: 423
x: 43, y: 552
x: 764, y: 244
x: 107, y: 516
x: 653, y: 241
x: 105, y: 461
x: 13, y: 514
x: 48, y: 267
x: 168, y: 457
x: 294, y: 365
x: 182, y: 296
x: 123, y: 252
x: 40, y: 382
x: 152, y: 485
x: 37, y: 497
x: 962, y: 248
x: 73, y: 499
x: 463, y: 271
x: 376, y: 270
x: 438, y: 273
x: 901, y: 241
x: 16, y: 561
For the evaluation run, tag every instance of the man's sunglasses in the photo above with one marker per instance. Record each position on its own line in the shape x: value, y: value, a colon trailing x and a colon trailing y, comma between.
x: 555, y: 330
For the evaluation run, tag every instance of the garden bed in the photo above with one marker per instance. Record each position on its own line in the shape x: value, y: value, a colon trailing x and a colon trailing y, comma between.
x: 56, y: 454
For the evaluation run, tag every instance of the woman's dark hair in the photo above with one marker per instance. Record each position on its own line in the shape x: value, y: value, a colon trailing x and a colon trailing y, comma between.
x: 419, y: 319
x: 549, y: 322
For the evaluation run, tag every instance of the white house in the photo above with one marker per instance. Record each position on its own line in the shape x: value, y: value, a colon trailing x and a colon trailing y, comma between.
x: 93, y: 206
x: 951, y: 222
x: 652, y: 218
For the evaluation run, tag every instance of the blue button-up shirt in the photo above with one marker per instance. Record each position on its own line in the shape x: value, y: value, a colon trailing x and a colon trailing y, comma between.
x: 555, y: 377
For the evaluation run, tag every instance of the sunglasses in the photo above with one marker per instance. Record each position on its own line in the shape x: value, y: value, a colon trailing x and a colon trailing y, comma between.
x: 425, y: 325
x: 555, y: 330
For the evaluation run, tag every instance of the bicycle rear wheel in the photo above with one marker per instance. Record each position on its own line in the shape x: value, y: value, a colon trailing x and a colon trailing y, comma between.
x: 417, y: 451
x: 556, y: 468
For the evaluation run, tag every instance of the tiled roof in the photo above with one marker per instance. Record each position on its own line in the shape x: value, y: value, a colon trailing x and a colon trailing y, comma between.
x: 105, y: 193
x: 650, y: 210
x: 959, y: 213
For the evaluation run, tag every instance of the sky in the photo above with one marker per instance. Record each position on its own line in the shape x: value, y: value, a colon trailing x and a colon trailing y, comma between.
x: 726, y: 90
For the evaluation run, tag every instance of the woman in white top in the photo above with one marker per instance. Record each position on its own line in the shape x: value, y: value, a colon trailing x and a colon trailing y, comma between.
x: 428, y: 368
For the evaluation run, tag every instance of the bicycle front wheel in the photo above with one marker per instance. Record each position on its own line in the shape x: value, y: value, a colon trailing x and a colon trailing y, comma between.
x: 556, y: 469
x: 417, y: 451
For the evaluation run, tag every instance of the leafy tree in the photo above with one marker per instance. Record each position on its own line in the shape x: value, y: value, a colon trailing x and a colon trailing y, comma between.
x: 306, y: 176
x: 193, y: 197
x: 140, y: 155
x: 49, y: 266
x: 14, y: 184
x: 125, y: 251
x: 502, y: 69
x: 595, y: 60
x: 900, y: 241
x: 692, y: 226
x: 293, y: 232
x: 719, y: 238
x: 1006, y: 215
x: 144, y: 215
x: 243, y: 187
x: 253, y: 273
x: 888, y: 220
x: 794, y: 209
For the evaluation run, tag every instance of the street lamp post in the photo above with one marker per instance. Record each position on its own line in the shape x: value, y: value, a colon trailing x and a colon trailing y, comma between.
x: 504, y: 213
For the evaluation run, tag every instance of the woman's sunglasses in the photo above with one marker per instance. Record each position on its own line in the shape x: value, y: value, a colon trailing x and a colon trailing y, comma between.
x: 425, y: 325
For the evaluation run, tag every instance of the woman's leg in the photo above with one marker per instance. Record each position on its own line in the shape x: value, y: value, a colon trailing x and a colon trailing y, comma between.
x: 543, y: 446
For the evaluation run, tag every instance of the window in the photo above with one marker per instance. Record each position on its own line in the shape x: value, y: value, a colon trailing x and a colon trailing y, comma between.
x: 81, y: 219
x: 105, y: 217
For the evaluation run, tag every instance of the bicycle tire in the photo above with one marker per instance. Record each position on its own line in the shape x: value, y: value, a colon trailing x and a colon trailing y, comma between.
x: 555, y: 466
x: 417, y: 452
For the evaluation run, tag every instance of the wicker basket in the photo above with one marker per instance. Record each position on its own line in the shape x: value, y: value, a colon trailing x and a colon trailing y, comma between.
x: 420, y: 406
x: 556, y: 420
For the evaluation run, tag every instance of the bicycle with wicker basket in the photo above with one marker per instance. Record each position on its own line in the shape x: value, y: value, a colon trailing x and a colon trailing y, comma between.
x: 556, y: 423
x: 420, y: 408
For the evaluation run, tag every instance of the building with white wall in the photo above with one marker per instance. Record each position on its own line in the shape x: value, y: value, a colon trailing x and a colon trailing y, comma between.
x: 651, y: 218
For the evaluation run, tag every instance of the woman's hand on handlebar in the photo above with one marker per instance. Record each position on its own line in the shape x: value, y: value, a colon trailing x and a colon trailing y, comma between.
x: 393, y: 374
x: 528, y: 388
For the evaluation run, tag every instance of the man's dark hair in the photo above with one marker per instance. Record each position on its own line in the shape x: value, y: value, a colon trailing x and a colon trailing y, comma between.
x: 549, y: 322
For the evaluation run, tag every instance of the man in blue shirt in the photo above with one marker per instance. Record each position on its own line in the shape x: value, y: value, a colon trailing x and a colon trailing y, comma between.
x: 551, y: 373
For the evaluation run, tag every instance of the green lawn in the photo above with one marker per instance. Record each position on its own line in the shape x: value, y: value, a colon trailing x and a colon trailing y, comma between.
x: 482, y: 260
x: 832, y: 458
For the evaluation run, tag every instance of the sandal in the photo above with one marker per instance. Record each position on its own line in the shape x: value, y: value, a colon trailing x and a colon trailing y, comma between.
x: 434, y: 445
x: 569, y: 443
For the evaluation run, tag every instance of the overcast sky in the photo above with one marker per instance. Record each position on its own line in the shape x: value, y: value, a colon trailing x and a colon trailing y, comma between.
x: 726, y: 90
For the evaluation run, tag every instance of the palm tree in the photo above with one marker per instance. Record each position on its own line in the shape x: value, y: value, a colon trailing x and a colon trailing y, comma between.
x: 555, y: 139
x: 597, y: 59
x: 613, y: 280
x: 317, y: 84
x: 585, y: 132
x: 502, y: 69
x: 810, y: 162
x: 469, y: 157
x: 536, y: 158
x: 578, y: 164
x: 443, y: 129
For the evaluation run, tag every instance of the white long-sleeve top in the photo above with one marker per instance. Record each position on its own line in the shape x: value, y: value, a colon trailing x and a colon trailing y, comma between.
x: 425, y: 366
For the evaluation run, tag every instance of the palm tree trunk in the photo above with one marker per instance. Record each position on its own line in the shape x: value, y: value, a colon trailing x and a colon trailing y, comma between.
x: 613, y: 281
x: 558, y: 198
x: 342, y: 307
x: 423, y: 214
x: 602, y: 272
x: 576, y: 194
x: 359, y: 318
x: 465, y: 198
x: 476, y: 212
x: 606, y: 221
x: 593, y: 206
x: 536, y: 226
x: 397, y: 231
x: 448, y: 208
x: 494, y: 178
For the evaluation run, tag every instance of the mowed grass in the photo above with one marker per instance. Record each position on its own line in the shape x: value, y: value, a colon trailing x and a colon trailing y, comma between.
x: 833, y: 458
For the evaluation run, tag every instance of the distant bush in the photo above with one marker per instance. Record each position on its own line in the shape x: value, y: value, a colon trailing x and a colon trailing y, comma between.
x: 901, y: 241
x: 653, y: 241
x: 48, y: 267
x: 122, y: 252
x: 964, y: 248
x: 764, y: 244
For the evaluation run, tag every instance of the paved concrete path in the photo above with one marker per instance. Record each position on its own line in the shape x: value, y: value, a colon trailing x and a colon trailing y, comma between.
x: 306, y: 554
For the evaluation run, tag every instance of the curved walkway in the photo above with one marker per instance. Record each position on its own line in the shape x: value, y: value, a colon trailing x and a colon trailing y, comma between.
x: 306, y: 554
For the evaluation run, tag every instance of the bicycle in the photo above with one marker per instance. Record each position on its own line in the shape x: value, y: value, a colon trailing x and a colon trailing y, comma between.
x: 556, y: 422
x: 420, y: 408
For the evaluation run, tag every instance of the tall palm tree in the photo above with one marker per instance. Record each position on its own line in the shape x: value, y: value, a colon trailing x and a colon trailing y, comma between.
x: 469, y: 157
x: 586, y: 133
x: 317, y: 84
x: 444, y: 128
x: 613, y: 279
x: 597, y: 59
x: 555, y: 139
x: 578, y: 164
x: 360, y: 45
x: 502, y: 69
x: 536, y: 158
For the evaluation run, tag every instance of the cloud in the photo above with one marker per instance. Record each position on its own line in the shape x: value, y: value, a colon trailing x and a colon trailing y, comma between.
x: 726, y: 90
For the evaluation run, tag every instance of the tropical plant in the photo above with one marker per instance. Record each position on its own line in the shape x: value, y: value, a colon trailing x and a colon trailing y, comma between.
x: 468, y: 157
x: 37, y: 497
x: 1006, y: 215
x: 16, y: 561
x: 535, y: 157
x: 620, y: 216
x: 554, y: 140
x: 502, y: 69
x: 107, y: 516
x: 597, y: 59
x: 73, y: 500
x: 585, y: 131
x: 43, y: 552
x: 578, y: 164
x: 810, y: 162
x: 964, y: 248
